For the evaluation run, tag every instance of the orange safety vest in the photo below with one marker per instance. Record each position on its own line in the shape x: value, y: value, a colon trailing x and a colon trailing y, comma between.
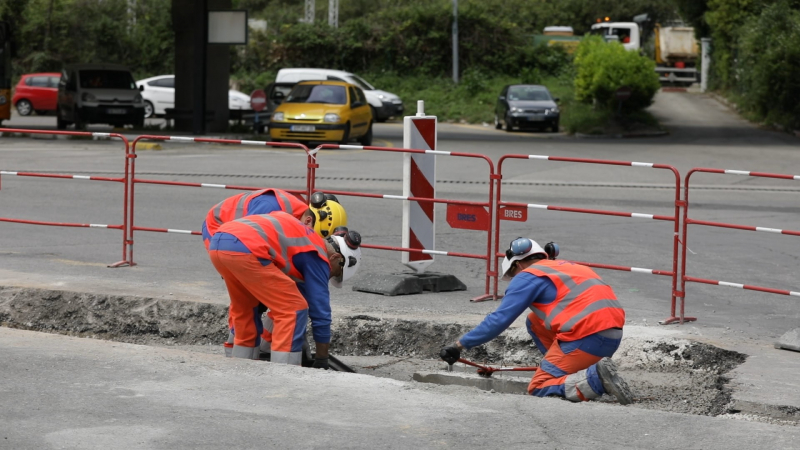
x: 236, y: 207
x: 584, y: 303
x: 277, y: 237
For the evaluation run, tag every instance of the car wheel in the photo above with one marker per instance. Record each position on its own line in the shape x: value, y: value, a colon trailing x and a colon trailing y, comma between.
x: 149, y: 110
x: 366, y: 140
x: 497, y: 124
x: 24, y: 107
x: 508, y: 124
x: 346, y: 135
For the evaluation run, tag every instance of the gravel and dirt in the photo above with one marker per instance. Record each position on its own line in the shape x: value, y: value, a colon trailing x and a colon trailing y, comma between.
x: 665, y: 373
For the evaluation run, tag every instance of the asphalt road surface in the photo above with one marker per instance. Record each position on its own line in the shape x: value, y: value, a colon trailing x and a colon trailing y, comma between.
x: 162, y: 393
x: 703, y: 134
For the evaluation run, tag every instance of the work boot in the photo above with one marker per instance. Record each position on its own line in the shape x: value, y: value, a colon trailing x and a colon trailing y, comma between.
x: 240, y: 351
x: 612, y: 382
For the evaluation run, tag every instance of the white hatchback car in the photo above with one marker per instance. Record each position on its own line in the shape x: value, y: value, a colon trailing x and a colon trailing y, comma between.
x: 159, y: 94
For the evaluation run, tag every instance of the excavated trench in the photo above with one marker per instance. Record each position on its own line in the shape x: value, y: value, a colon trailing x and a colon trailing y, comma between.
x: 665, y: 374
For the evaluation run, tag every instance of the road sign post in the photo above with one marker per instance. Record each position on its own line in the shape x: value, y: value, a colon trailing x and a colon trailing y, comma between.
x: 258, y: 101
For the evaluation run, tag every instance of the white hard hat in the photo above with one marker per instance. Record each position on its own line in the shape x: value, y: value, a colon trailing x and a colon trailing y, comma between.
x: 520, y: 248
x: 348, y: 244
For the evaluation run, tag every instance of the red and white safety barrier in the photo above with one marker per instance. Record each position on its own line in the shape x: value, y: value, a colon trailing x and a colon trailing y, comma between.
x: 689, y: 221
x: 122, y: 180
x: 419, y: 180
x: 134, y: 181
x: 518, y: 212
x: 477, y: 213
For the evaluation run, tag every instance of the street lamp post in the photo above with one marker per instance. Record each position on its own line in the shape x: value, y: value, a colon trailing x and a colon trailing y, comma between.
x: 455, y: 41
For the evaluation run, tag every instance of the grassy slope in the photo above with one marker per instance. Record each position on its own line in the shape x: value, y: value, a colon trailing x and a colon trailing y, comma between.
x: 473, y: 101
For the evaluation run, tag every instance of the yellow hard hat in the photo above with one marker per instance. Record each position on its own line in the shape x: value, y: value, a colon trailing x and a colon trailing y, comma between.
x: 329, y: 214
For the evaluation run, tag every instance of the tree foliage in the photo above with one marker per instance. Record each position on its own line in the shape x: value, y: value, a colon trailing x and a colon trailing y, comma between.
x: 51, y: 33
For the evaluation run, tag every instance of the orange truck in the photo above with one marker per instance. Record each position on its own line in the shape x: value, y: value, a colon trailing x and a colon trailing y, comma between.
x: 676, y: 51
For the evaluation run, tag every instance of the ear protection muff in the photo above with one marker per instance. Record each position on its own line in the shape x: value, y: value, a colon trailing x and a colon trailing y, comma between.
x: 552, y: 250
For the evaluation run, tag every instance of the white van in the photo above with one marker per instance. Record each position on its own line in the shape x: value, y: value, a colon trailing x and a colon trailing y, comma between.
x: 384, y: 104
x: 98, y: 93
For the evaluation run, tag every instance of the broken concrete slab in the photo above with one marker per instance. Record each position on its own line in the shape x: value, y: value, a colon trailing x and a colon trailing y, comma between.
x: 790, y: 340
x: 408, y: 283
x: 502, y: 385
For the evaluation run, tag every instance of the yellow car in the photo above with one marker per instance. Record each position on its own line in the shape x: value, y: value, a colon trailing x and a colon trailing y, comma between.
x: 329, y: 111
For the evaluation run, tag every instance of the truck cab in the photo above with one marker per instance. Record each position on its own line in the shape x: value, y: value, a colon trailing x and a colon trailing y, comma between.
x: 626, y: 33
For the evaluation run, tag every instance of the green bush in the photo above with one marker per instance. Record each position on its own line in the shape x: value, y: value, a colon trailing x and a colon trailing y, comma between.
x: 602, y: 68
x: 770, y: 60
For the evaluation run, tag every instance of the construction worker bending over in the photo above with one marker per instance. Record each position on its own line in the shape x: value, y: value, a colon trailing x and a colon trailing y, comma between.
x: 276, y: 261
x: 325, y: 208
x: 324, y: 214
x: 576, y: 323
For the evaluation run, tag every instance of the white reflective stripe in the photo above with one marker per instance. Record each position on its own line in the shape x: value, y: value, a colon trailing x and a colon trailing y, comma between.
x: 434, y: 252
x: 81, y: 177
x: 797, y: 294
x: 436, y: 152
x: 736, y: 285
x: 737, y: 172
x: 797, y: 177
x: 252, y: 142
x: 3, y: 172
x: 769, y: 230
x: 532, y: 205
x: 97, y: 225
x: 170, y: 230
x: 641, y: 270
x: 352, y: 147
x: 396, y: 197
x: 642, y: 216
x: 101, y: 134
x: 538, y: 157
x: 181, y: 138
x: 220, y: 186
x: 641, y: 164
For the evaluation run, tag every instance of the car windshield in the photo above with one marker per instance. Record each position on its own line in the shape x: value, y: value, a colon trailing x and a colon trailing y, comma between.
x: 360, y: 82
x: 106, y: 79
x: 318, y: 93
x: 530, y: 93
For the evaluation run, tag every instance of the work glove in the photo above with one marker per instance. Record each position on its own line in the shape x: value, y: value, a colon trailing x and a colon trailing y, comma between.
x: 321, y: 363
x: 450, y: 354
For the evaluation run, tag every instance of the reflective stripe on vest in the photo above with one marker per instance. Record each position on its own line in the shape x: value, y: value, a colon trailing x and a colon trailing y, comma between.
x: 287, y: 202
x: 283, y: 261
x: 239, y: 211
x: 574, y: 290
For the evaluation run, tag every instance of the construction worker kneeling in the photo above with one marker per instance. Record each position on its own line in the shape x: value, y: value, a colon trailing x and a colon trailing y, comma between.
x: 277, y: 261
x: 576, y: 323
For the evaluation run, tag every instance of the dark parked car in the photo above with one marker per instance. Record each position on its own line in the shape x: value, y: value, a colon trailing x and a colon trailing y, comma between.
x: 99, y: 93
x: 36, y: 92
x: 526, y: 106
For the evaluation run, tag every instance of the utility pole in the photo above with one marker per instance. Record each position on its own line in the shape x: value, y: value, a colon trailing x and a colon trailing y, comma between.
x: 455, y: 41
x: 333, y: 13
x: 309, y: 18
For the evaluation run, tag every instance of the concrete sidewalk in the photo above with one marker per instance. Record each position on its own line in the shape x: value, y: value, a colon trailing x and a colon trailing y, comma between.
x: 70, y: 393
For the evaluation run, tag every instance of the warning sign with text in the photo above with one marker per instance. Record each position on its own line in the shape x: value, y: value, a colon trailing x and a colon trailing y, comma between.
x: 514, y: 213
x: 468, y: 217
